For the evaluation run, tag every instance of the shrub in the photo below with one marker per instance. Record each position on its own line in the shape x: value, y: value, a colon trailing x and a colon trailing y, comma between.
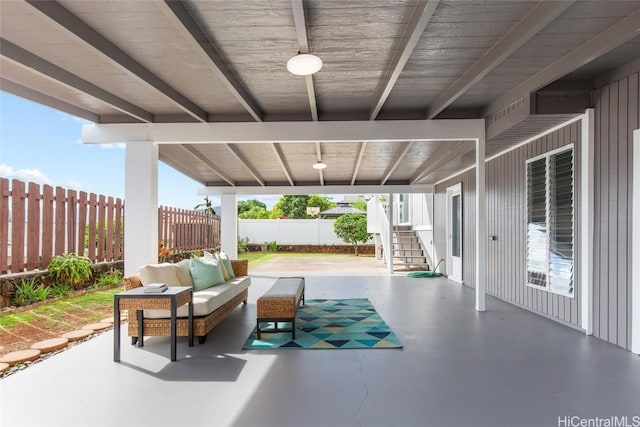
x: 60, y: 289
x: 29, y: 291
x: 71, y: 269
x: 243, y: 245
x: 110, y: 278
x: 273, y: 246
x: 352, y: 228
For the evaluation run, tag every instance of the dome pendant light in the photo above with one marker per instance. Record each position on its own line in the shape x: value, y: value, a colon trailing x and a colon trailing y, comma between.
x: 304, y: 64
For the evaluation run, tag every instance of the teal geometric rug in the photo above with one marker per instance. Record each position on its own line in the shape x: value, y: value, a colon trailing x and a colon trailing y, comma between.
x: 330, y: 324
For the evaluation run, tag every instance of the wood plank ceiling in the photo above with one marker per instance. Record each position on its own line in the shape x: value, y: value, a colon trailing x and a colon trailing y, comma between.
x: 224, y: 61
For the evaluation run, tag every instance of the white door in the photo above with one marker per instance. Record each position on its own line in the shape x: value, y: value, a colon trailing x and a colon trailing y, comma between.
x: 454, y: 232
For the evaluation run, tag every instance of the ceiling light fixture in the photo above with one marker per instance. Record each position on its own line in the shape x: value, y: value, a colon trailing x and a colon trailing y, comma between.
x: 304, y: 64
x: 319, y: 165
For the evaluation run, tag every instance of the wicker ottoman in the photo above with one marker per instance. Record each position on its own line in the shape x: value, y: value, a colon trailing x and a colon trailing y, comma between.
x: 280, y: 304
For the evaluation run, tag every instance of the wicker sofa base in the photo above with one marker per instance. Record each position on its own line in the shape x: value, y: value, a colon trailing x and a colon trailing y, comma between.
x: 201, y: 324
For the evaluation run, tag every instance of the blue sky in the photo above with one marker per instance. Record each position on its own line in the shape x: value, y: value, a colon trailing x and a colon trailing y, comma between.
x: 42, y: 145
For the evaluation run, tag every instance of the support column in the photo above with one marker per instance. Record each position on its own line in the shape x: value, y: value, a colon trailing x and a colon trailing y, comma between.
x: 229, y: 225
x: 389, y: 254
x: 635, y: 247
x: 586, y: 219
x: 481, y: 226
x: 141, y: 205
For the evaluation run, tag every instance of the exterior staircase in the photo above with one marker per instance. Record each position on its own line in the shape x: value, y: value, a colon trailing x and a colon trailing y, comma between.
x: 407, y: 249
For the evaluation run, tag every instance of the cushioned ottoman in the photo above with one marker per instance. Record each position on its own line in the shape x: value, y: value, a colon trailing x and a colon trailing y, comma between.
x: 280, y: 304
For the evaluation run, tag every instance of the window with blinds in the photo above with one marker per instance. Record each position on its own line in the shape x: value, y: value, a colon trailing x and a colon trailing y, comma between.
x: 550, y: 221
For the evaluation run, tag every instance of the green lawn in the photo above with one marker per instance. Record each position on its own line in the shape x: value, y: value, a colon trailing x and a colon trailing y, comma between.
x: 256, y: 258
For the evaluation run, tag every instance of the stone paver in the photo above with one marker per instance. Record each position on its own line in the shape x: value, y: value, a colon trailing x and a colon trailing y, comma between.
x: 78, y: 334
x: 107, y: 320
x: 3, y: 367
x: 20, y: 356
x: 50, y: 345
x: 97, y: 326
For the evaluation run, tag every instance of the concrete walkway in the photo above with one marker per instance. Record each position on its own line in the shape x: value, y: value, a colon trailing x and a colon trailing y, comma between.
x: 347, y: 265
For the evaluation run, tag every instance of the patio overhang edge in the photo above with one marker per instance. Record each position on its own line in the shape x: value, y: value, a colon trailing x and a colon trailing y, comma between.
x: 282, y: 132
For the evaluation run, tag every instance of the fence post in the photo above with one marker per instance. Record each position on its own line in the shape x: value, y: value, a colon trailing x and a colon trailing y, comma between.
x: 48, y: 201
x: 4, y: 224
x: 33, y: 224
x: 17, y: 225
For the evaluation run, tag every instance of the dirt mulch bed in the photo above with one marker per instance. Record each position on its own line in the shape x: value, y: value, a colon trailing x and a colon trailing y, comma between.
x: 22, y: 327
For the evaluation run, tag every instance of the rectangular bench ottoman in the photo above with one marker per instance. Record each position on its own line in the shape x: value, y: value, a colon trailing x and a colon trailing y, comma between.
x: 280, y: 304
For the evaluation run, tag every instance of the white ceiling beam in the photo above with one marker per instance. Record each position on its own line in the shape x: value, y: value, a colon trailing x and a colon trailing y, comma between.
x: 203, y: 45
x: 614, y: 36
x: 245, y: 163
x: 112, y: 53
x: 317, y: 189
x: 204, y: 159
x: 413, y: 31
x: 356, y: 169
x: 283, y: 163
x: 285, y: 132
x: 537, y: 19
x: 319, y: 159
x: 401, y: 155
x: 440, y: 158
x: 52, y: 72
x: 49, y: 101
x: 303, y: 46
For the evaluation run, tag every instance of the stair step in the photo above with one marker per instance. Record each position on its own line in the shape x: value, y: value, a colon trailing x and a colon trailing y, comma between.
x: 408, y: 256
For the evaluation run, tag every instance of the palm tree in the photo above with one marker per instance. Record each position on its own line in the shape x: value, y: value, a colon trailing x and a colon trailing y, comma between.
x: 206, y: 205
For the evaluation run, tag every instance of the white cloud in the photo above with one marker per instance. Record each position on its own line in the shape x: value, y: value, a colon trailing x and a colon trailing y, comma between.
x: 33, y: 175
x: 119, y: 145
x: 75, y: 185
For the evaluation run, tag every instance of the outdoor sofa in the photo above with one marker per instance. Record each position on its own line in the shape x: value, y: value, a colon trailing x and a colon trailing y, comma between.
x: 210, y: 305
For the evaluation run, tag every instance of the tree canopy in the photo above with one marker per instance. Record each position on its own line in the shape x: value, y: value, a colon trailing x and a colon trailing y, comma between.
x: 245, y: 205
x: 322, y: 202
x: 293, y: 206
x: 352, y: 228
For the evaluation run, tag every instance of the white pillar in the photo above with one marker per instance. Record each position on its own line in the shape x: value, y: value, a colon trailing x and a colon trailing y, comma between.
x: 141, y: 205
x: 229, y: 225
x: 635, y: 247
x: 389, y: 254
x: 586, y: 219
x: 481, y: 227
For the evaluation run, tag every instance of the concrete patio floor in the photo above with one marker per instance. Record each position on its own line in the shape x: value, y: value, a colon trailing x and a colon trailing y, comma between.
x: 505, y: 367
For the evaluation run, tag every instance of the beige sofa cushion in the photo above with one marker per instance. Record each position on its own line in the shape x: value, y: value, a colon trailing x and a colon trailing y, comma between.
x: 160, y: 273
x: 206, y: 300
x: 184, y: 273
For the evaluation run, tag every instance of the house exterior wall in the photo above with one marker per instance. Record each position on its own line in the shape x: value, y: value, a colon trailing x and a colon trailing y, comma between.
x: 506, y: 219
x: 617, y: 110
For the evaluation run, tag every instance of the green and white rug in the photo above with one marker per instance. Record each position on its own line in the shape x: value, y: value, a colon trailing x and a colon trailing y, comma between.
x: 330, y: 324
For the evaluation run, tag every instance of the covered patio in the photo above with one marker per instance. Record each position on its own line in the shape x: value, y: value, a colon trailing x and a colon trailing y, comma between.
x: 460, y: 104
x: 458, y: 367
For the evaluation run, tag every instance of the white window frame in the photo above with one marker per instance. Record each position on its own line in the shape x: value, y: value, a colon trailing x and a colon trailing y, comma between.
x: 547, y: 156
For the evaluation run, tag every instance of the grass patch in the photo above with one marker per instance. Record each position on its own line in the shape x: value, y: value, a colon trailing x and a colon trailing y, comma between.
x: 256, y: 258
x: 8, y: 320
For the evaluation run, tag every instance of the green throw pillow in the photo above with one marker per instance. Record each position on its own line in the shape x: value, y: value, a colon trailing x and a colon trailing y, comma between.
x: 227, y: 263
x: 205, y: 273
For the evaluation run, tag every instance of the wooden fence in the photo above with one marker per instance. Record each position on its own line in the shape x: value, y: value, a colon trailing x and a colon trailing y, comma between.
x: 183, y: 230
x: 37, y: 224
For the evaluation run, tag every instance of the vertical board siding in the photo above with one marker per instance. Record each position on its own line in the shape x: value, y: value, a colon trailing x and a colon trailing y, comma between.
x: 506, y: 219
x: 617, y: 106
